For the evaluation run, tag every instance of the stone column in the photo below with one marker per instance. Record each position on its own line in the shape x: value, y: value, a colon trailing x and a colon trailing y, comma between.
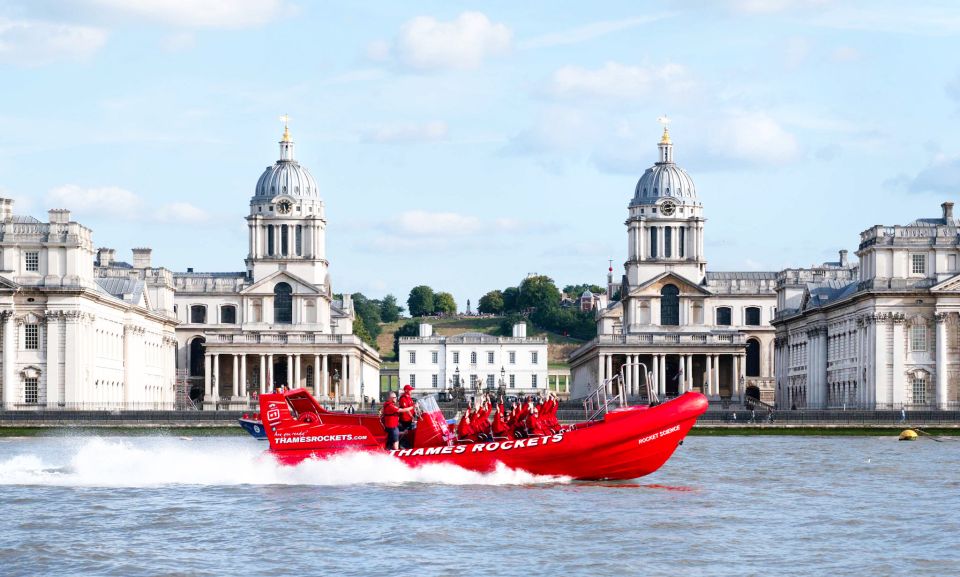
x: 342, y: 387
x: 316, y: 376
x: 628, y: 377
x: 271, y: 377
x: 899, y: 352
x: 207, y: 373
x: 609, y: 373
x: 941, y: 392
x: 290, y: 370
x: 688, y: 373
x: 663, y: 375
x: 236, y: 375
x: 263, y: 374
x: 53, y: 358
x: 655, y: 369
x: 9, y: 354
x: 325, y: 378
x: 243, y: 375
x: 708, y: 383
x: 296, y: 371
x: 215, y: 393
x: 600, y: 367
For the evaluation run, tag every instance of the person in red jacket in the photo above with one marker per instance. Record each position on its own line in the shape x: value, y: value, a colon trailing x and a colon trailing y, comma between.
x: 390, y: 417
x: 463, y: 427
x: 499, y: 428
x: 408, y: 421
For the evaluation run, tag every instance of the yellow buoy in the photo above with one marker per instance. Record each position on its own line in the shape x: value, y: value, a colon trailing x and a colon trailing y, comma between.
x: 908, y: 435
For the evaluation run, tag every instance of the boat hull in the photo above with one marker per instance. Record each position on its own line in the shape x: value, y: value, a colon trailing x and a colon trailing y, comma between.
x: 628, y: 443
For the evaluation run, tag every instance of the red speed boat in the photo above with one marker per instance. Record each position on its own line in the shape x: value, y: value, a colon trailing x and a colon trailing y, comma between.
x: 621, y: 443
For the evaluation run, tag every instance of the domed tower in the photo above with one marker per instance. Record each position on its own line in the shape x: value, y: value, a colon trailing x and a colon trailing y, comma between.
x: 665, y: 226
x: 286, y: 222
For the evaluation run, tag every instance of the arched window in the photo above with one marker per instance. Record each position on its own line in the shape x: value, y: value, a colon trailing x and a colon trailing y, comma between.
x: 228, y: 315
x: 753, y: 358
x: 282, y: 304
x: 753, y: 316
x: 198, y: 314
x: 196, y: 357
x: 270, y: 241
x: 723, y: 316
x: 670, y: 305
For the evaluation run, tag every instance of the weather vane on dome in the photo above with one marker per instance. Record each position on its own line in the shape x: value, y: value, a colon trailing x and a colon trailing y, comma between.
x: 285, y: 119
x: 665, y: 121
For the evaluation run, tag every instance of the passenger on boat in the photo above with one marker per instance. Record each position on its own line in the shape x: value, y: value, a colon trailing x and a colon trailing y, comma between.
x: 407, y: 420
x: 390, y: 418
x: 500, y: 427
x: 463, y: 427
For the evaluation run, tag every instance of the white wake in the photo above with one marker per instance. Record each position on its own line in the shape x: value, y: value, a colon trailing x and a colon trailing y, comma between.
x: 100, y: 462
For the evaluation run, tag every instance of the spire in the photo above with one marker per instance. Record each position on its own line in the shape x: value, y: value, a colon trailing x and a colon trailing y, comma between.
x: 665, y: 145
x: 286, y: 141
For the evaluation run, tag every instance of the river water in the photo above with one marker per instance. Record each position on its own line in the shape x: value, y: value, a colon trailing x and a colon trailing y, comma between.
x: 721, y: 506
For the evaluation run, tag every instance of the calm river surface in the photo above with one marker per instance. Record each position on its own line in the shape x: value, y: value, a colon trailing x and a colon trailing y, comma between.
x: 721, y: 506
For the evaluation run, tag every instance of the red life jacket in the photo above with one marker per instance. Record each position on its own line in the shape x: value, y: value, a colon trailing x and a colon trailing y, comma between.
x: 406, y: 401
x: 499, y: 426
x: 390, y: 415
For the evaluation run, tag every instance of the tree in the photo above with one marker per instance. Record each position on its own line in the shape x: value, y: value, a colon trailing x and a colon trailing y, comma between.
x: 408, y: 329
x: 506, y: 324
x: 420, y: 302
x: 360, y: 330
x: 491, y: 303
x: 368, y: 313
x: 510, y: 300
x: 538, y: 292
x: 389, y: 310
x: 575, y: 290
x: 444, y: 303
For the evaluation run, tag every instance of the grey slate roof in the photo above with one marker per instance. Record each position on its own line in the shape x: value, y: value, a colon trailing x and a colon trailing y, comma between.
x: 25, y: 219
x: 126, y: 289
x: 741, y: 275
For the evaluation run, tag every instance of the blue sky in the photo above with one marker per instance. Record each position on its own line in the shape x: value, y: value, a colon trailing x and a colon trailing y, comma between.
x: 466, y: 145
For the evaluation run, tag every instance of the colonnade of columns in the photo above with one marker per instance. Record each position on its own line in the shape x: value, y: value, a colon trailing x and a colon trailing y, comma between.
x: 656, y: 366
x: 348, y: 367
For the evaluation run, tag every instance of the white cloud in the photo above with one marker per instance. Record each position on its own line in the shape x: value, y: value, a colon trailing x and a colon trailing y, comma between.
x: 447, y: 231
x: 197, y: 13
x: 796, y: 51
x: 179, y: 42
x: 773, y: 6
x: 942, y: 176
x: 35, y: 43
x: 754, y: 137
x: 558, y: 129
x: 423, y: 223
x: 106, y: 200
x: 589, y: 32
x: 619, y: 81
x: 426, y: 132
x: 425, y: 43
x: 846, y: 54
x: 180, y: 213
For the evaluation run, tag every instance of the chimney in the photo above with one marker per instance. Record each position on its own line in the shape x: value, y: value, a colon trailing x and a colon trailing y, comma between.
x: 6, y: 209
x: 141, y: 257
x: 59, y: 215
x: 843, y: 258
x: 426, y: 330
x: 520, y: 331
x: 105, y: 257
x: 947, y: 211
x: 189, y: 269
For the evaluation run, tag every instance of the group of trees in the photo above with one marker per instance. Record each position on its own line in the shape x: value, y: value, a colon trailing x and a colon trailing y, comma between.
x: 538, y: 299
x: 423, y: 301
x: 370, y: 313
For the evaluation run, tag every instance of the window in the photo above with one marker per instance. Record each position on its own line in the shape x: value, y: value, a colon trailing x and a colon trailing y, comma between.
x: 919, y: 390
x: 434, y: 381
x: 32, y: 261
x: 309, y: 376
x: 270, y: 241
x: 918, y: 338
x: 473, y: 381
x: 753, y: 316
x: 257, y: 311
x: 282, y: 304
x: 670, y: 305
x: 513, y: 381
x: 412, y: 355
x: 198, y: 314
x: 513, y: 357
x: 413, y: 380
x: 534, y: 357
x: 918, y: 264
x: 753, y: 358
x: 668, y: 242
x: 434, y: 357
x: 723, y: 316
x: 490, y: 382
x: 533, y: 381
x: 473, y: 358
x: 489, y: 357
x: 31, y: 337
x: 456, y: 357
x: 228, y: 315
x: 298, y: 241
x: 952, y: 262
x: 31, y: 391
x: 653, y: 243
x: 683, y: 240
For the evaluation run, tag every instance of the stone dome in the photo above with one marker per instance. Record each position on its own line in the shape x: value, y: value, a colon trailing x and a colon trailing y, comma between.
x: 664, y: 179
x: 287, y: 176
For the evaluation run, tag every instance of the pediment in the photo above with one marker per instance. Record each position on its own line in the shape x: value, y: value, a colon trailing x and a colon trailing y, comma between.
x: 265, y: 286
x: 950, y: 285
x: 8, y: 284
x: 653, y: 286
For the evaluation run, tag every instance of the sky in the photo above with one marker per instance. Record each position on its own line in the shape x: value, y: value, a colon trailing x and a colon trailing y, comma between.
x: 465, y: 145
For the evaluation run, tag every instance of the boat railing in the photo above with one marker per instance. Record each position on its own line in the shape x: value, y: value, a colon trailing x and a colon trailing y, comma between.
x: 612, y: 392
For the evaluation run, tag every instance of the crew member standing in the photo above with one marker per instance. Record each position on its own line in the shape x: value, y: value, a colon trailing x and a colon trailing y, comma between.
x: 408, y: 422
x: 390, y: 418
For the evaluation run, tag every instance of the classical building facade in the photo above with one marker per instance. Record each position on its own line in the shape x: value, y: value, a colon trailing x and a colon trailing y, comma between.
x: 476, y: 361
x: 885, y: 334
x: 689, y: 328
x: 72, y: 338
